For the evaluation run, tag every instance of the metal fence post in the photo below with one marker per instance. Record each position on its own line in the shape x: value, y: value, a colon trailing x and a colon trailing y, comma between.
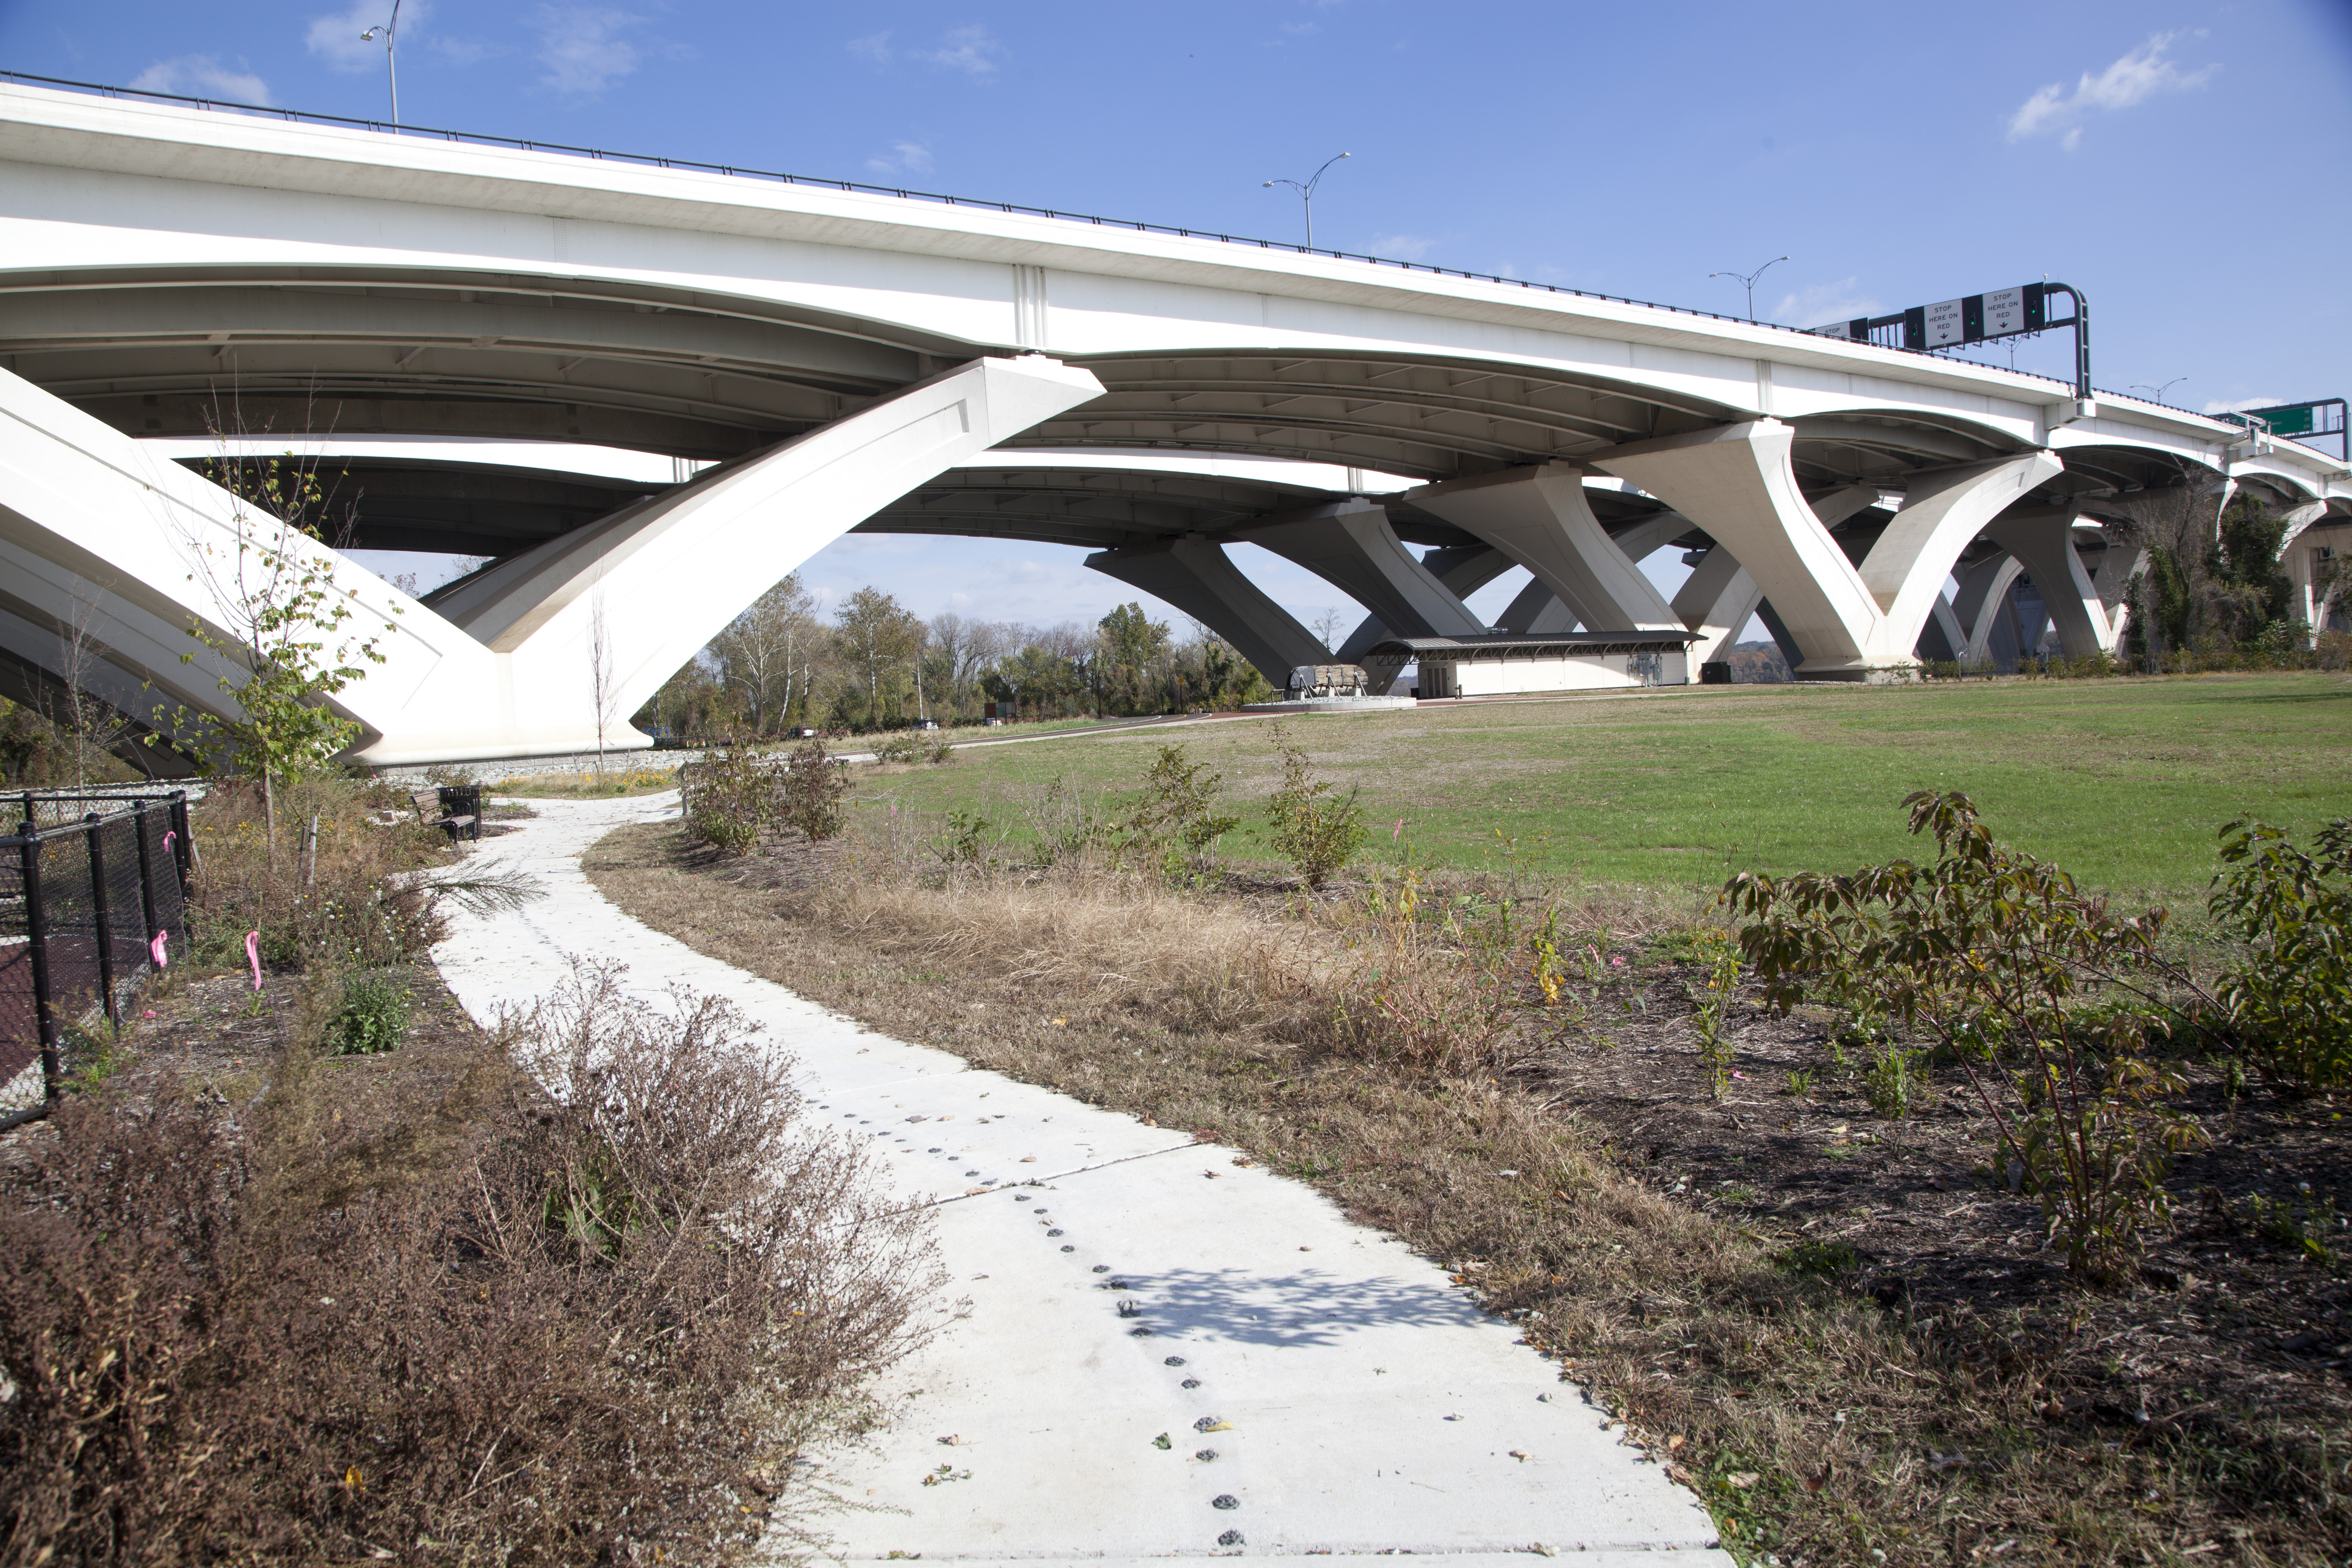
x: 36, y: 940
x: 149, y: 931
x: 100, y: 915
x: 184, y: 847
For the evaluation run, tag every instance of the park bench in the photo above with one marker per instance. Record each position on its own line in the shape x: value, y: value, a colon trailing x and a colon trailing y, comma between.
x: 429, y: 812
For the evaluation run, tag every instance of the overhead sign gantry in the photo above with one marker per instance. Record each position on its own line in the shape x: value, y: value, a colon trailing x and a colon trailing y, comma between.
x: 1974, y: 319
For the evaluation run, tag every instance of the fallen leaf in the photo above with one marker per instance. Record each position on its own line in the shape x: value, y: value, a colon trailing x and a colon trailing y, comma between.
x: 1673, y: 1443
x: 1815, y: 1483
x: 1520, y: 1456
x: 1028, y: 1159
x: 1061, y: 1023
x: 1742, y: 1479
x: 1244, y: 1161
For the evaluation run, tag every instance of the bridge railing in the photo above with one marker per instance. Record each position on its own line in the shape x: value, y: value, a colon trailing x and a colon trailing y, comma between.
x: 739, y: 170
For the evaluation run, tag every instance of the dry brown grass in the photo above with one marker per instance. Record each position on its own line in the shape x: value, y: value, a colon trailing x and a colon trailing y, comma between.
x: 1821, y: 1424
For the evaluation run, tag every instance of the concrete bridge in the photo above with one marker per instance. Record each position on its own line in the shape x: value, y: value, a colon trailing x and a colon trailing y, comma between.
x: 842, y: 358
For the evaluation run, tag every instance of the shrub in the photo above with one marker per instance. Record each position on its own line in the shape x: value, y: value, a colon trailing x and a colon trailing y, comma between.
x: 277, y: 1341
x: 1316, y: 829
x: 898, y: 748
x: 728, y: 799
x: 373, y: 1016
x: 1170, y: 825
x: 2288, y: 1002
x: 1992, y: 951
x: 813, y: 792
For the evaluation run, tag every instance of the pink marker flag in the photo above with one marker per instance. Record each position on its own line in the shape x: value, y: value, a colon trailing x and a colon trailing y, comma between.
x: 161, y: 949
x: 253, y: 955
x: 171, y: 836
x: 1400, y: 831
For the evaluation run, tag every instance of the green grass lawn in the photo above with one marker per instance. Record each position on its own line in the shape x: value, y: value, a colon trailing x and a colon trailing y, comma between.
x: 2122, y: 781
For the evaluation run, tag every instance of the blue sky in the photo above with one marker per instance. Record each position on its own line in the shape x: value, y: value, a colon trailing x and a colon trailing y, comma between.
x: 2181, y: 163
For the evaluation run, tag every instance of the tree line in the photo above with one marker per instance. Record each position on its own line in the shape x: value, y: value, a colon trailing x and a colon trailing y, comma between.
x: 873, y: 664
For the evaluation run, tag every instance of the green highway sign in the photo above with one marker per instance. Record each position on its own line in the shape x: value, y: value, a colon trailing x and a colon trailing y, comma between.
x: 2321, y: 417
x: 2295, y: 419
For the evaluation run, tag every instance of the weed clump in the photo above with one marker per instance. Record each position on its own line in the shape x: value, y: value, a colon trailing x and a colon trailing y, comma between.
x: 373, y: 1016
x: 355, y: 903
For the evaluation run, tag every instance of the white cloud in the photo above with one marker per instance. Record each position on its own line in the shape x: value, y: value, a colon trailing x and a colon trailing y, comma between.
x: 582, y: 50
x: 1401, y: 246
x: 971, y: 51
x: 2234, y: 404
x: 874, y: 48
x: 1824, y: 303
x: 202, y: 75
x: 903, y: 158
x: 336, y: 36
x: 2130, y: 81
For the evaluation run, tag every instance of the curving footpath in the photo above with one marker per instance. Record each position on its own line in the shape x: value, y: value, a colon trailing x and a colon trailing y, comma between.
x: 1163, y: 1354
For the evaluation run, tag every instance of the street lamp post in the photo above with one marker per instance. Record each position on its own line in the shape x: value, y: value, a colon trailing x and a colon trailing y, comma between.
x: 1748, y: 280
x: 391, y: 64
x: 2156, y: 394
x: 1307, y: 193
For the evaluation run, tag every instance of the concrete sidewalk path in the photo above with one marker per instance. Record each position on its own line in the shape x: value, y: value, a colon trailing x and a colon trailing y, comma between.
x: 1163, y: 1353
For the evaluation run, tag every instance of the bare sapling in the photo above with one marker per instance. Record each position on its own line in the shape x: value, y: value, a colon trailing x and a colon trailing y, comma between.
x: 293, y: 636
x: 601, y: 689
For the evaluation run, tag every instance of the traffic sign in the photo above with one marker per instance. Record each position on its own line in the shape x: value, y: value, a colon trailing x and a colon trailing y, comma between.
x: 2322, y: 417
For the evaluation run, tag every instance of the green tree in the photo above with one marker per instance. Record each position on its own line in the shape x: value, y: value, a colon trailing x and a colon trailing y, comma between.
x: 2251, y: 592
x: 694, y: 701
x: 1034, y: 679
x: 1229, y: 681
x: 1131, y: 651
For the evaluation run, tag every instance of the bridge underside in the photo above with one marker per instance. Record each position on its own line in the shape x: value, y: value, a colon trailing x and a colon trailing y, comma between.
x: 1132, y: 507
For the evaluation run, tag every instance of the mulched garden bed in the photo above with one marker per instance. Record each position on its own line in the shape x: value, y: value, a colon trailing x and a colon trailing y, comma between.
x: 2223, y: 1318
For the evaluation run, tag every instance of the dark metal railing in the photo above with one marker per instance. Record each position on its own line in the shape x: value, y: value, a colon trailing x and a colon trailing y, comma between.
x: 737, y: 171
x: 93, y: 902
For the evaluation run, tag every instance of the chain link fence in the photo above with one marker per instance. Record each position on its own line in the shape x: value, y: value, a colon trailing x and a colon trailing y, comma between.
x: 93, y: 902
